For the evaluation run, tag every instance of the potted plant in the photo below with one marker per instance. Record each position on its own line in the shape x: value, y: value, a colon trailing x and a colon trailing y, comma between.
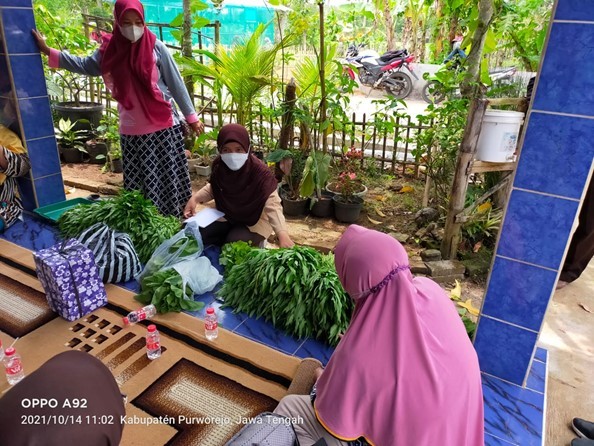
x: 64, y: 84
x: 107, y: 135
x: 115, y: 159
x: 292, y: 163
x: 349, y: 163
x: 315, y: 177
x: 70, y: 141
x: 347, y: 205
x: 203, y: 153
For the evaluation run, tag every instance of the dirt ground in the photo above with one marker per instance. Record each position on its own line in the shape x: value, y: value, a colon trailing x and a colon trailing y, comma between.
x: 385, y: 210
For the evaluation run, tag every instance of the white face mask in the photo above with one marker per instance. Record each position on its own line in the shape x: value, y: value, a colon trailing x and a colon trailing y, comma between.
x: 234, y: 161
x: 132, y: 32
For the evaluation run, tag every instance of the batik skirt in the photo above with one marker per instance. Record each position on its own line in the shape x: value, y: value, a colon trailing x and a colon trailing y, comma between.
x: 156, y: 165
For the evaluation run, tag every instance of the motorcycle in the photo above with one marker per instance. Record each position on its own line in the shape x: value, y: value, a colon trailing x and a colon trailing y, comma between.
x: 381, y: 72
x: 435, y: 92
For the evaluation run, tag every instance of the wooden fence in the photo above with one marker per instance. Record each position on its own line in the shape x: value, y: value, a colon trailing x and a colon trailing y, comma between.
x: 390, y: 151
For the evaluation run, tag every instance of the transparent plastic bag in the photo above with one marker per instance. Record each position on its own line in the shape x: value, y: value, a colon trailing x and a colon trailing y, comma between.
x: 185, y: 245
x: 199, y: 274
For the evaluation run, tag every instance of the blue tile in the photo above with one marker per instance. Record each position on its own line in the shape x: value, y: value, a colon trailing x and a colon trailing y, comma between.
x: 131, y: 285
x: 32, y: 234
x: 536, y: 228
x: 553, y: 144
x: 312, y: 348
x: 2, y: 47
x: 5, y: 85
x: 44, y: 157
x: 519, y: 293
x: 504, y: 351
x: 20, y: 3
x: 36, y: 117
x: 17, y: 24
x: 27, y: 72
x: 49, y: 189
x: 264, y: 332
x: 513, y: 413
x: 565, y: 76
x: 537, y: 377
x: 490, y: 440
x: 541, y: 354
x: 27, y: 194
x: 575, y: 10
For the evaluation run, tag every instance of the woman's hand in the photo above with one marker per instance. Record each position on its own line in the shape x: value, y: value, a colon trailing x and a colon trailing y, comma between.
x: 190, y: 209
x: 41, y: 42
x: 284, y: 241
x: 197, y: 127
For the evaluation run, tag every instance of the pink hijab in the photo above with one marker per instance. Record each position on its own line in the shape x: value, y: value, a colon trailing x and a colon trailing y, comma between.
x: 128, y: 67
x: 405, y: 372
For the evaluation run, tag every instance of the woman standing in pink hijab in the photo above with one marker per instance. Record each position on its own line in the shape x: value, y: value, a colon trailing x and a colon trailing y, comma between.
x: 142, y: 77
x: 405, y: 372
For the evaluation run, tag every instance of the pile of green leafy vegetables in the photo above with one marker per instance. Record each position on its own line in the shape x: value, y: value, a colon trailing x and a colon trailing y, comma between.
x: 164, y: 288
x: 297, y: 289
x: 129, y: 212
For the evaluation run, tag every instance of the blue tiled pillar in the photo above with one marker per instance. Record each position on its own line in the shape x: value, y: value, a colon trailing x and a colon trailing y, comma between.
x: 553, y: 169
x: 21, y: 66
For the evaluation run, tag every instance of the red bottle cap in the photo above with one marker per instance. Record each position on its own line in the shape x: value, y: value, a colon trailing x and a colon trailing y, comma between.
x: 152, y: 328
x: 126, y: 321
x: 10, y: 351
x: 210, y: 310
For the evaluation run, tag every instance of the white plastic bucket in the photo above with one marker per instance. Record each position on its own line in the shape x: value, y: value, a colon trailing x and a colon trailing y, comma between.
x: 499, y: 136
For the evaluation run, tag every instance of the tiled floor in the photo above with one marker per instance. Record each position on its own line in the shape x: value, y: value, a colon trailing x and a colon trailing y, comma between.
x: 513, y: 414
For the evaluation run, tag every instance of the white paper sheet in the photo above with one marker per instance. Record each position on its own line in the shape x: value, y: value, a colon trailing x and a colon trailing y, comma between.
x: 206, y: 216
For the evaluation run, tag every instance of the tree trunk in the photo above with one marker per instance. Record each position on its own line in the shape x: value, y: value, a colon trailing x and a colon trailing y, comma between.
x: 186, y: 43
x: 470, y: 87
x: 438, y: 30
x: 322, y: 67
x: 389, y: 22
x: 451, y: 238
x: 406, y: 32
x: 288, y: 116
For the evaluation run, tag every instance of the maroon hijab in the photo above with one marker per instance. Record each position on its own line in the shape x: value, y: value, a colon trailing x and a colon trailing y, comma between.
x: 71, y: 377
x: 240, y: 194
x: 126, y: 66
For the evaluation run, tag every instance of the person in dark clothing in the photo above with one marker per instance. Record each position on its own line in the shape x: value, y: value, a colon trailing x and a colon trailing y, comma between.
x: 89, y: 405
x: 581, y: 248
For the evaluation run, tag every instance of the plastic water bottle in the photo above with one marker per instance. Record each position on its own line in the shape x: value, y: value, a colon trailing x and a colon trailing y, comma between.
x: 153, y: 343
x: 211, y: 325
x: 13, y: 366
x: 139, y: 315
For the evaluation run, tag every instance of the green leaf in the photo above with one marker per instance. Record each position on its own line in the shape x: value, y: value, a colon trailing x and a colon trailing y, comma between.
x: 177, y: 21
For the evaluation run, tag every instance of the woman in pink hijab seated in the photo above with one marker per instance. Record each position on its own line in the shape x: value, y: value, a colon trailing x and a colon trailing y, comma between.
x: 405, y: 372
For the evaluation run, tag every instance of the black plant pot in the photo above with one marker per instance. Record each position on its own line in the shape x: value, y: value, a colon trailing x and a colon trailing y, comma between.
x: 71, y: 155
x: 117, y: 166
x: 294, y: 208
x: 347, y: 211
x: 323, y: 207
x: 91, y: 111
x: 97, y: 152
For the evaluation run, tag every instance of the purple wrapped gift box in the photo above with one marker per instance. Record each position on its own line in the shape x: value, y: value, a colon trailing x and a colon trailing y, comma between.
x: 70, y: 278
